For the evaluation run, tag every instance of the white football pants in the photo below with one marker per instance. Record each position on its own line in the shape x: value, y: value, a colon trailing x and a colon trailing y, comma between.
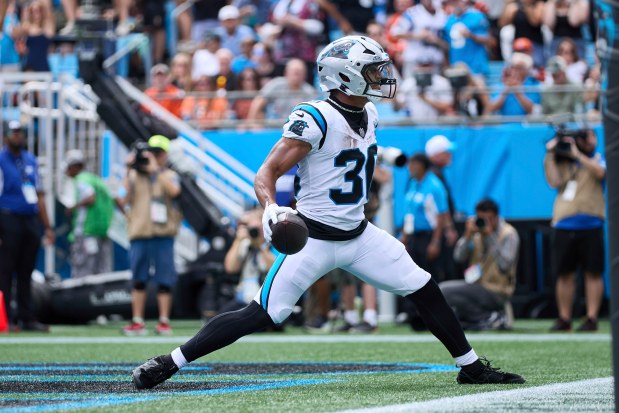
x: 375, y: 257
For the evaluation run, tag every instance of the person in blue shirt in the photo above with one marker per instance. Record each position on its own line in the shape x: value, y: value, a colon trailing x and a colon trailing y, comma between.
x: 9, y: 58
x: 467, y: 32
x: 513, y: 100
x: 22, y: 210
x: 426, y: 211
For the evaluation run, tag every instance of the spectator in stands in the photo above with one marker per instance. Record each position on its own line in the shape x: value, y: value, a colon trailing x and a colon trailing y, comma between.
x: 204, y: 111
x: 466, y: 31
x: 154, y: 15
x: 578, y: 221
x: 205, y: 16
x: 394, y: 46
x: 254, y: 12
x: 421, y: 27
x: 426, y: 212
x: 575, y: 67
x: 153, y: 220
x: 244, y: 59
x: 184, y: 25
x: 180, y: 71
x: 489, y: 249
x: 527, y: 17
x: 250, y: 257
x: 226, y: 79
x: 301, y: 27
x: 524, y: 45
x: 262, y: 55
x: 9, y: 56
x: 231, y: 31
x: 205, y: 62
x: 591, y: 96
x: 91, y: 216
x: 512, y: 100
x: 282, y: 93
x: 493, y: 9
x: 37, y: 28
x: 351, y: 16
x: 163, y: 91
x: 470, y: 98
x: 562, y: 96
x: 566, y: 19
x: 426, y: 95
x: 22, y: 211
x: 248, y: 82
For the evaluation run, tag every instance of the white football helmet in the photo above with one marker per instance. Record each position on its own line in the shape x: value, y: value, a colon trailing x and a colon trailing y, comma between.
x: 357, y: 66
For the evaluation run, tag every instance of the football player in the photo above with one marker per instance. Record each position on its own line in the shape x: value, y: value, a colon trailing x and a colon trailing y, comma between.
x: 334, y: 143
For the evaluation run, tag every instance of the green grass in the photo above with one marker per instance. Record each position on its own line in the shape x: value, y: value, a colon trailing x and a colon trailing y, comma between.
x: 542, y: 362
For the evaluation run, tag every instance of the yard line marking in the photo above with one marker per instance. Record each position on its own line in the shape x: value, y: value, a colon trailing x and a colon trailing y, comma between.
x: 583, y: 395
x: 425, y: 338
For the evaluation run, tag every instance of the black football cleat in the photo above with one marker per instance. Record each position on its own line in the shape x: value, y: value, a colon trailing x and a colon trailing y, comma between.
x: 155, y: 371
x: 489, y: 375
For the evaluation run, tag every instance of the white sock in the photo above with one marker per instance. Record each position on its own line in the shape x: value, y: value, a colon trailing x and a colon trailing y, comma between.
x: 179, y: 358
x: 370, y: 316
x: 164, y: 320
x: 351, y: 317
x: 466, y: 359
x: 139, y: 320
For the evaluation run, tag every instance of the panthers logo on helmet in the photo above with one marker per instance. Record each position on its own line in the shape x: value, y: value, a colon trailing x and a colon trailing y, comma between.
x: 297, y: 127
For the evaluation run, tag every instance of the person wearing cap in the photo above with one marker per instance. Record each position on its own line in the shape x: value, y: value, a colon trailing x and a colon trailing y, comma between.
x: 22, y: 211
x: 512, y: 100
x: 231, y: 31
x: 563, y: 96
x: 439, y: 151
x: 163, y: 91
x: 91, y: 217
x: 426, y: 212
x: 153, y: 219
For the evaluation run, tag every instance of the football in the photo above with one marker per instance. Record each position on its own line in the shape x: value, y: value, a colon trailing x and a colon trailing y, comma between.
x: 289, y: 234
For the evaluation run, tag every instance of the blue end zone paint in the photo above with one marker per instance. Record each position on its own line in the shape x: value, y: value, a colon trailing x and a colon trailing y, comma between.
x: 54, y: 401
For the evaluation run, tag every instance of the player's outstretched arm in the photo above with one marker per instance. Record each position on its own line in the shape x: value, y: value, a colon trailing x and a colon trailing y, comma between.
x: 284, y: 155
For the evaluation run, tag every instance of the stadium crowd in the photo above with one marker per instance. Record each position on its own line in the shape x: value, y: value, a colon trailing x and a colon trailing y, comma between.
x: 234, y: 58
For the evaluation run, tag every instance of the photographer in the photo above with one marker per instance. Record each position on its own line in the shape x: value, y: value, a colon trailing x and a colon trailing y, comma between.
x: 427, y: 95
x: 153, y: 219
x: 489, y: 247
x: 249, y: 256
x: 573, y: 167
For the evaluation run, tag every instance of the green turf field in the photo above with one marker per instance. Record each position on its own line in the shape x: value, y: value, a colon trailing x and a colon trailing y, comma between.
x: 88, y: 368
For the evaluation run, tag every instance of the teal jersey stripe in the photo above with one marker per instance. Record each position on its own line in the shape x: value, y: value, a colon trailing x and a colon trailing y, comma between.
x: 268, y: 282
x: 315, y: 113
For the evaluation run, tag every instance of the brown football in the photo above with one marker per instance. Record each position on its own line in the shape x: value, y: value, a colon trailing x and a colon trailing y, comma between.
x: 289, y: 234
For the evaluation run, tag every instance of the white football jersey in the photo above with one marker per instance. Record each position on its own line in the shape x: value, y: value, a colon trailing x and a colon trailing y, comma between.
x: 333, y: 180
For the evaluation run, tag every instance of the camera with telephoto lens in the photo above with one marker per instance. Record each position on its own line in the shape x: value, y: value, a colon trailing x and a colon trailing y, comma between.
x: 391, y: 156
x: 458, y: 77
x: 563, y: 148
x: 423, y: 80
x: 140, y: 161
x: 480, y: 223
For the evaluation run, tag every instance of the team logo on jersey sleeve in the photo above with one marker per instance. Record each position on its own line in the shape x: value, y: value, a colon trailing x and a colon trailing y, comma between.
x: 297, y: 127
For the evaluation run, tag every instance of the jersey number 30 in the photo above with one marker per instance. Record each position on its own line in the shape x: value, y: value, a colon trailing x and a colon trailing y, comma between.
x: 353, y: 176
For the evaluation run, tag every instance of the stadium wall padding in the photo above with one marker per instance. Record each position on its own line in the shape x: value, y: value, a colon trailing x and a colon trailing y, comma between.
x: 503, y: 162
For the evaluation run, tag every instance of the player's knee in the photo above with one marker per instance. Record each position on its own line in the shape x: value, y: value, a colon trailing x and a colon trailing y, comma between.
x: 139, y: 285
x: 164, y: 289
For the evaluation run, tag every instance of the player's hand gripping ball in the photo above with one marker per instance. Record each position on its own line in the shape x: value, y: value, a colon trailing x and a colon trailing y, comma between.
x: 289, y: 233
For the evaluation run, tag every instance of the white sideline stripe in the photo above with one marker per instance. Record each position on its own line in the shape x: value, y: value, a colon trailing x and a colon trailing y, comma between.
x: 425, y: 338
x: 583, y: 395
